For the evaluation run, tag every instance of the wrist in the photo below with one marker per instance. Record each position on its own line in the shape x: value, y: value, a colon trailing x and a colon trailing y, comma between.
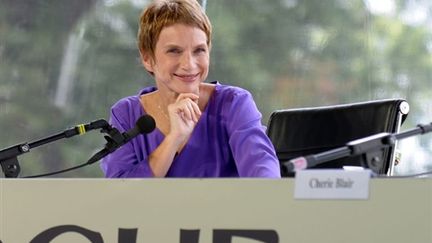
x: 175, y: 139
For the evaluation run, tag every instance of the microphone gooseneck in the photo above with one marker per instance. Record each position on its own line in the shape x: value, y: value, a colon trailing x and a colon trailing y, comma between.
x: 115, y: 139
x: 8, y: 156
x: 361, y: 146
x: 145, y: 124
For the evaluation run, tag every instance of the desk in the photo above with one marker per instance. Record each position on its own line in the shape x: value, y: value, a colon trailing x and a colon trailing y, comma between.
x: 164, y: 210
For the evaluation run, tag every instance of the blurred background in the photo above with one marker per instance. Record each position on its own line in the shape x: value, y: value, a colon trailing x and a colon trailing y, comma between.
x: 64, y: 63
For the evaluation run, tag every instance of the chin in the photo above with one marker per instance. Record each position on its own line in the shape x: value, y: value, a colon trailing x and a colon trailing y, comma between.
x: 192, y: 88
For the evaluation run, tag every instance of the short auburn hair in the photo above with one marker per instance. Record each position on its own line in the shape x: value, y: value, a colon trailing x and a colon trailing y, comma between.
x: 163, y: 13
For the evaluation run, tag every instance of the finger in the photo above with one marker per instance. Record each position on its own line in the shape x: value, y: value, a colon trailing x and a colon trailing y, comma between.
x: 187, y: 108
x: 192, y: 96
x: 186, y: 111
x: 196, y: 108
x: 196, y: 111
x: 195, y: 115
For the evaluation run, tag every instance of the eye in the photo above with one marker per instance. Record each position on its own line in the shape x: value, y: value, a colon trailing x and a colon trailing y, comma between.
x: 174, y: 50
x: 200, y: 50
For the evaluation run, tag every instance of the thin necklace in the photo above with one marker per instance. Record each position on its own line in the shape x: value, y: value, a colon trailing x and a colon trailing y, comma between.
x: 163, y: 112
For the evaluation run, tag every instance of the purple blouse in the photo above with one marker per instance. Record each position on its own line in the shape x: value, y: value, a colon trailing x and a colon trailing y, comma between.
x: 228, y: 140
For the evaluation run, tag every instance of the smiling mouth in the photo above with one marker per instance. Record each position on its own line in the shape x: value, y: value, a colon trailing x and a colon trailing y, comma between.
x: 188, y: 77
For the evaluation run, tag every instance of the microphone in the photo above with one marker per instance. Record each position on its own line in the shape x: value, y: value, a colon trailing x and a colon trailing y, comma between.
x: 356, y: 147
x: 360, y: 146
x: 145, y: 124
x: 83, y: 128
x: 115, y: 139
x: 301, y: 163
x: 8, y: 156
x: 77, y: 130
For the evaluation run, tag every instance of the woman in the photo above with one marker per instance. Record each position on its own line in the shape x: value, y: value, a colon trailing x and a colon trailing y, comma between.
x: 203, y: 129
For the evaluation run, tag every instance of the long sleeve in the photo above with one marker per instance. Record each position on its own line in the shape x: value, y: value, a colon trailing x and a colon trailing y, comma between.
x: 130, y: 160
x: 252, y: 150
x: 228, y: 141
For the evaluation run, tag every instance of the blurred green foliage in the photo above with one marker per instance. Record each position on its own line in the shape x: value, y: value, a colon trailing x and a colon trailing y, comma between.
x: 66, y: 62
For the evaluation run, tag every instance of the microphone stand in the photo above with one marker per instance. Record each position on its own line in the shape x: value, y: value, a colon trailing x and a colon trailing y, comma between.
x: 9, y: 156
x: 115, y: 139
x: 369, y: 147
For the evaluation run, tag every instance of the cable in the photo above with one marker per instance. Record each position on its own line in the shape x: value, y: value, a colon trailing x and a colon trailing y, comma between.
x: 56, y: 172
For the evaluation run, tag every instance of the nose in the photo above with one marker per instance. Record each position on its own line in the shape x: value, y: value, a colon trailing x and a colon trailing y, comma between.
x: 187, y: 61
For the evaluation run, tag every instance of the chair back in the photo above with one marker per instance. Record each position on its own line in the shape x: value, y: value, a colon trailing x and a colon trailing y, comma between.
x: 306, y: 131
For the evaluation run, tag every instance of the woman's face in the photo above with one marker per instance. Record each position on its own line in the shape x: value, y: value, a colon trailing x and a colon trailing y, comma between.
x: 181, y: 59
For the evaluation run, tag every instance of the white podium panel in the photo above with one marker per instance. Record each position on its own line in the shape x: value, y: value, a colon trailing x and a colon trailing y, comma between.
x: 208, y: 210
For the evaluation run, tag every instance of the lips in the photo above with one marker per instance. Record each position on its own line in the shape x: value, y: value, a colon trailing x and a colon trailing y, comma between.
x: 187, y: 77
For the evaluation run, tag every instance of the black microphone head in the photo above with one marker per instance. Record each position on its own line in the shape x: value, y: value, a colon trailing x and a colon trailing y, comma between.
x: 146, y: 124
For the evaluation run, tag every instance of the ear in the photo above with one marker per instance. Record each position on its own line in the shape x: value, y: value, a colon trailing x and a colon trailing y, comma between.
x: 147, y: 61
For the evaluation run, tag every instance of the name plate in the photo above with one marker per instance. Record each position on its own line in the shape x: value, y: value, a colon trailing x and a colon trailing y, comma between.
x: 332, y: 184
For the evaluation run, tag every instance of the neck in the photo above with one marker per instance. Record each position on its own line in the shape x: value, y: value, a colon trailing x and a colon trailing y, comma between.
x: 163, y: 101
x: 167, y: 96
